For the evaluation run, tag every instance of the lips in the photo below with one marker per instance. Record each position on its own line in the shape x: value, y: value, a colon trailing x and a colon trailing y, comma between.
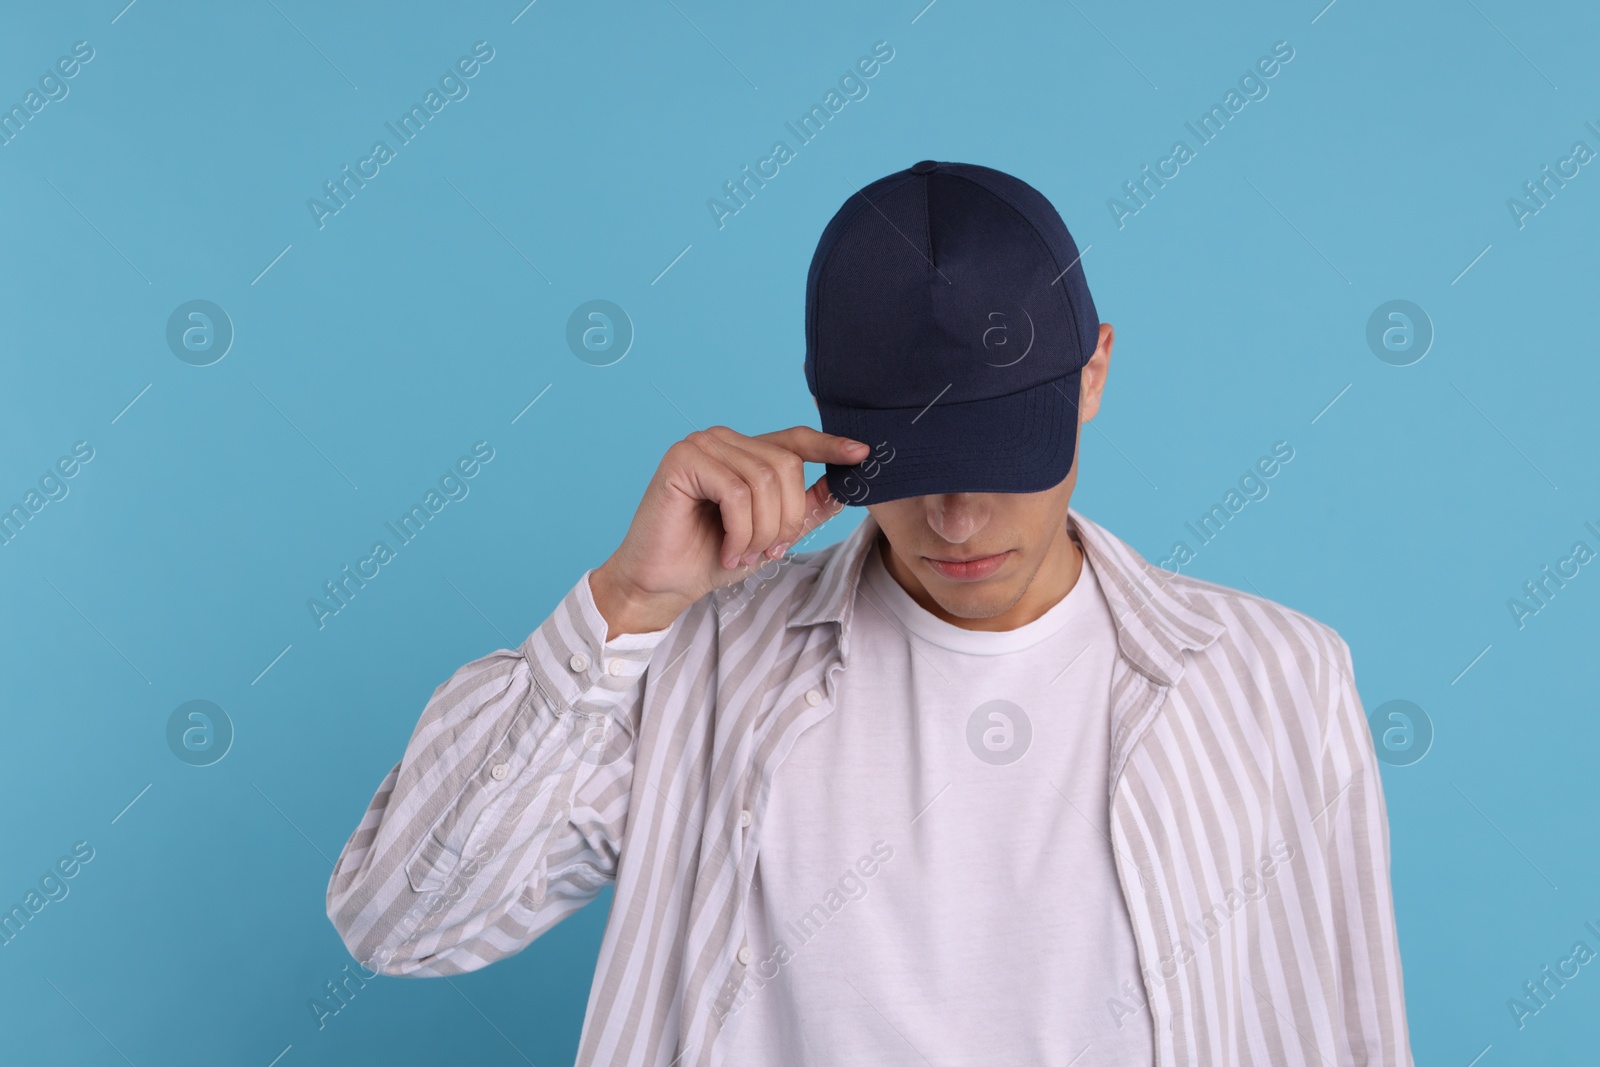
x: 967, y: 570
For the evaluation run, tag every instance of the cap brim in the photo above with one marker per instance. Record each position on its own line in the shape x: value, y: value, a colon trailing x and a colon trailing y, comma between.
x: 1020, y: 443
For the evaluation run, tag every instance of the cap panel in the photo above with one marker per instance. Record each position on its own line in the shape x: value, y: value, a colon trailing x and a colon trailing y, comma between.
x: 816, y: 380
x: 876, y: 334
x: 1049, y: 228
x: 1010, y: 328
x: 938, y: 284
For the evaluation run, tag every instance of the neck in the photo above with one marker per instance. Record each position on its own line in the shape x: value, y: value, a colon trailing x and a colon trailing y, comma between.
x: 1054, y: 579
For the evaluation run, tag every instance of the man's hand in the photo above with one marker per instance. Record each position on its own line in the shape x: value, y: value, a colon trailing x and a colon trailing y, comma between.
x: 719, y: 503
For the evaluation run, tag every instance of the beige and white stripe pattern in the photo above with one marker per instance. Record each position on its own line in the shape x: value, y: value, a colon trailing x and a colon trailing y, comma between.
x: 1247, y: 813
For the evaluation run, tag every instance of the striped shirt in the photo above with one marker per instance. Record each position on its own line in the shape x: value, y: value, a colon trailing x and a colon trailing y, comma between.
x: 1247, y: 812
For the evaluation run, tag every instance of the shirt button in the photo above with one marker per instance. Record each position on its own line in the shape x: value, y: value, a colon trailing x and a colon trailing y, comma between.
x: 745, y: 955
x: 744, y: 817
x: 616, y: 667
x: 813, y: 697
x: 578, y: 662
x: 499, y: 771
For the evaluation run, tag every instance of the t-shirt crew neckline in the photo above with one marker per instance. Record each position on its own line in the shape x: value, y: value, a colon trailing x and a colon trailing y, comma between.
x: 886, y: 593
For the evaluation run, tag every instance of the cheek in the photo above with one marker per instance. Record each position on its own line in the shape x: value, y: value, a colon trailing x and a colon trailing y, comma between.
x: 898, y: 522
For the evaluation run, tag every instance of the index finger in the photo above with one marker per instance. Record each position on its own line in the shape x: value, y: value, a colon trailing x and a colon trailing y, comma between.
x: 814, y: 446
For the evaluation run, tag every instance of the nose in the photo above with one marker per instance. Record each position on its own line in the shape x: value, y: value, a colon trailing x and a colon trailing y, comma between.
x: 957, y: 516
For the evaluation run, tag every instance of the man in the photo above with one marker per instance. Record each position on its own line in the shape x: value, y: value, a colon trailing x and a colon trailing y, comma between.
x: 975, y: 785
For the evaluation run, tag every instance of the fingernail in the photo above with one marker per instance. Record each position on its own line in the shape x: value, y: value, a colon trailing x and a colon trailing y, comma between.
x: 778, y: 549
x: 751, y: 557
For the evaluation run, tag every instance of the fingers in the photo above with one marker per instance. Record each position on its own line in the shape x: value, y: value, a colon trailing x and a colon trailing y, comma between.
x: 758, y: 485
x: 814, y: 446
x: 716, y: 481
x: 790, y: 471
x: 821, y: 505
x: 764, y: 499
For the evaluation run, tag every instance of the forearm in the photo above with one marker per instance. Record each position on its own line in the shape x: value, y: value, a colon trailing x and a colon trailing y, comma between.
x: 450, y: 867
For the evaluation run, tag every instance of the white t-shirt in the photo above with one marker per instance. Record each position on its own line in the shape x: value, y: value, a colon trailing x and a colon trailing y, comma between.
x: 935, y: 881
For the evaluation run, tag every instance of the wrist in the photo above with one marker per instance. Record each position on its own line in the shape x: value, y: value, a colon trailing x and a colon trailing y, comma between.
x: 625, y: 609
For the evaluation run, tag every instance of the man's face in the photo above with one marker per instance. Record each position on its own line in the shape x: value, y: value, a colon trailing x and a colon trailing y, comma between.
x: 975, y: 555
x: 1002, y: 539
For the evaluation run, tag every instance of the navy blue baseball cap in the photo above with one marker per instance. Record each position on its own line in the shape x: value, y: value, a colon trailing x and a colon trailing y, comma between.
x: 947, y: 322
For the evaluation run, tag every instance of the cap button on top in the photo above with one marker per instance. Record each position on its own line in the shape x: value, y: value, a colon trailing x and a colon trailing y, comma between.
x: 924, y: 167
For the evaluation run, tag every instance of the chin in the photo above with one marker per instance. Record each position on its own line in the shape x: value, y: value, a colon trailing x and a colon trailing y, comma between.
x: 975, y: 601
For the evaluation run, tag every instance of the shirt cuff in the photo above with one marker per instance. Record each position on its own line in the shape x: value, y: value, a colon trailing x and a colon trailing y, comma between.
x: 648, y: 639
x: 573, y: 662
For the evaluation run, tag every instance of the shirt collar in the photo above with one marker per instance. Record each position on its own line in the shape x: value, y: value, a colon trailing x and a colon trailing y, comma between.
x: 1157, y: 621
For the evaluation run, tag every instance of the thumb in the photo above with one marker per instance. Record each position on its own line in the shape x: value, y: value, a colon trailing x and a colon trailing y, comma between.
x: 821, y: 505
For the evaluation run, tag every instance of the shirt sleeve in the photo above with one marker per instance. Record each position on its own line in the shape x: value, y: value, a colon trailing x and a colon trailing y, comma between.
x: 1356, y: 840
x: 506, y: 812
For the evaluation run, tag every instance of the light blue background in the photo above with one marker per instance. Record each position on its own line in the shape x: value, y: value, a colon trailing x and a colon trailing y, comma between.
x: 409, y: 328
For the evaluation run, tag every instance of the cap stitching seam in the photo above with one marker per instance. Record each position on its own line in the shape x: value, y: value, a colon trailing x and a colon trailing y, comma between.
x: 1077, y: 326
x: 927, y: 230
